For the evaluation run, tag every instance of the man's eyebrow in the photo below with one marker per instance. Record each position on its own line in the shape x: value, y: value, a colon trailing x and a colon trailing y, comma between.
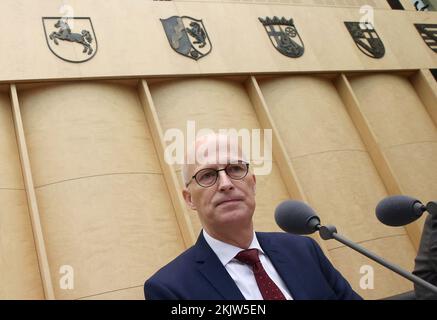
x: 206, y: 166
x: 216, y: 165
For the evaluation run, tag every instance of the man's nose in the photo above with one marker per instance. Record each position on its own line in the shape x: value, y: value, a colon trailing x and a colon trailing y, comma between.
x: 224, y: 181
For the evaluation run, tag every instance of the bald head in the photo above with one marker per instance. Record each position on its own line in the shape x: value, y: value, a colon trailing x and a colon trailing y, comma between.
x: 211, y: 149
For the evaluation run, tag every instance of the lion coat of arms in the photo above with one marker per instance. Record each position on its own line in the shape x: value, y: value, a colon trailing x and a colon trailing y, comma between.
x: 187, y: 36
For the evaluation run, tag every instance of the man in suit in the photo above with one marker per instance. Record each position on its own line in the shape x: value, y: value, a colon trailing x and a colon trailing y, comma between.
x: 229, y: 259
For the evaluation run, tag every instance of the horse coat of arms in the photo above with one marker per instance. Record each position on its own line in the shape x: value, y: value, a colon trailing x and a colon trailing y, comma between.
x: 70, y: 39
x: 284, y: 36
x: 366, y: 38
x: 187, y: 36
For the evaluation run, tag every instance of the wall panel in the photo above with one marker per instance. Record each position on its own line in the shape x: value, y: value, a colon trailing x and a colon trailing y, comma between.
x: 217, y: 104
x: 331, y: 162
x: 104, y: 205
x: 385, y: 283
x: 19, y: 273
x: 404, y: 130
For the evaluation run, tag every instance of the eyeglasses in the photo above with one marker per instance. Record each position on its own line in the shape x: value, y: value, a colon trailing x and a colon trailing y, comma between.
x: 208, y: 177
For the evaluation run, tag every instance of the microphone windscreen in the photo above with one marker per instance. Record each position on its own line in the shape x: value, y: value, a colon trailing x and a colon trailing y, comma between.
x: 296, y: 217
x: 398, y: 210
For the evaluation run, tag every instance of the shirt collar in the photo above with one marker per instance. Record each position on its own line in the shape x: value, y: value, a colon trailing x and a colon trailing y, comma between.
x: 225, y: 251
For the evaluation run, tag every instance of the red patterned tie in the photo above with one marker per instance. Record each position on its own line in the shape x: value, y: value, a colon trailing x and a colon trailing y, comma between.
x: 269, y: 290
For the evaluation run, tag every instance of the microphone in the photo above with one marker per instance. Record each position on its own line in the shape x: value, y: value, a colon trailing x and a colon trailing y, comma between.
x: 298, y: 218
x: 401, y: 210
x: 303, y: 220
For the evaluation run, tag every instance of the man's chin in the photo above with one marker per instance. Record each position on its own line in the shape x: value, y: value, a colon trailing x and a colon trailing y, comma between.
x: 235, y: 215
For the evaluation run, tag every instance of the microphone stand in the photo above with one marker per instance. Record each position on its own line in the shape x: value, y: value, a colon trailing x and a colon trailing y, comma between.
x: 431, y: 207
x: 330, y: 232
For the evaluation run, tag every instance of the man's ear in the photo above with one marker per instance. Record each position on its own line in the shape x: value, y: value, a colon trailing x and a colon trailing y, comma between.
x: 254, y: 184
x: 188, y: 200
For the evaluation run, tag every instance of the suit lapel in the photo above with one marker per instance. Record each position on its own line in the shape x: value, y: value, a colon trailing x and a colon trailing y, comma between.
x: 288, y: 269
x: 212, y: 269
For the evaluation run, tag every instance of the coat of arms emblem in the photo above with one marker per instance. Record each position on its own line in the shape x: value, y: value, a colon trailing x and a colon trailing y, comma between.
x: 187, y: 36
x: 366, y: 38
x: 284, y: 36
x: 78, y: 44
x: 428, y: 33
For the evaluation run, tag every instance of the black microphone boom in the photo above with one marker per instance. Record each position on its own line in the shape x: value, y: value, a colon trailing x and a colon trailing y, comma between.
x: 297, y: 217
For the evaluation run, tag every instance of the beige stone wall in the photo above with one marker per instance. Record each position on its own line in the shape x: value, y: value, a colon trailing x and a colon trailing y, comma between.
x: 19, y: 274
x: 331, y: 3
x: 83, y: 181
x: 132, y: 43
x: 94, y: 164
x: 217, y: 104
x: 106, y: 205
x: 337, y: 174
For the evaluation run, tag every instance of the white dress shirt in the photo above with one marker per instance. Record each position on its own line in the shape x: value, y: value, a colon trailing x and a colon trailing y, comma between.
x: 242, y: 273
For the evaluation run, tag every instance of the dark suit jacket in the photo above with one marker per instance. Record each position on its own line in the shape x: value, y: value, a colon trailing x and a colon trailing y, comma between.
x: 426, y: 260
x: 198, y: 274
